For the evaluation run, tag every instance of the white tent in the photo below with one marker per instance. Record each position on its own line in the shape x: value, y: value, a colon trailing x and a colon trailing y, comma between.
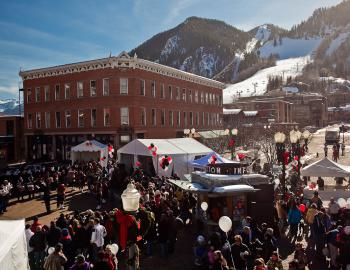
x: 90, y: 150
x: 182, y: 150
x: 13, y: 245
x: 326, y: 168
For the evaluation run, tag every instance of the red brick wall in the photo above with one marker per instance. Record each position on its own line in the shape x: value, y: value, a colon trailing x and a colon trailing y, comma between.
x: 114, y: 101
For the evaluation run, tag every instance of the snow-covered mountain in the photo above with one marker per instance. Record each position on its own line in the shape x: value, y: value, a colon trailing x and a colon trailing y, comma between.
x: 9, y: 107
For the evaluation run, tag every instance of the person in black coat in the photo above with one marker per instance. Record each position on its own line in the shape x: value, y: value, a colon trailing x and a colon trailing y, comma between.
x: 53, y: 235
x: 240, y: 253
x: 47, y: 198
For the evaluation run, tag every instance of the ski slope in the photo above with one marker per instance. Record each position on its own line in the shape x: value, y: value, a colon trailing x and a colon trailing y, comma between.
x: 256, y: 84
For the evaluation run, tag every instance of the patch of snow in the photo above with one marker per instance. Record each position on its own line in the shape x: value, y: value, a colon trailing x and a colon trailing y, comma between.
x: 263, y: 33
x: 207, y: 65
x: 186, y: 64
x: 335, y: 44
x: 171, y: 45
x: 290, y: 48
x: 256, y: 84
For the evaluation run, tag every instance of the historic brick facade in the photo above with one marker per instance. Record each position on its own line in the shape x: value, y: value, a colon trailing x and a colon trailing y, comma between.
x: 114, y: 99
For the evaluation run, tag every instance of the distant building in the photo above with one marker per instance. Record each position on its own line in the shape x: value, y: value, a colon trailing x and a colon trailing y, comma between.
x: 114, y: 100
x: 11, y: 139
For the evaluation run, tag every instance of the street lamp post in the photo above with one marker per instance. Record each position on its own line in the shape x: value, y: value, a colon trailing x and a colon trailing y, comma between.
x: 294, y: 137
x: 233, y: 133
x: 280, y: 149
x: 306, y: 136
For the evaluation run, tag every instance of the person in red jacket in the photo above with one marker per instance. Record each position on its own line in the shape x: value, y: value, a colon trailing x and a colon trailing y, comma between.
x: 35, y: 224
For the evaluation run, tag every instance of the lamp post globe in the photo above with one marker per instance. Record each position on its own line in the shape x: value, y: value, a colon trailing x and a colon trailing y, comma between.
x: 186, y: 131
x: 234, y: 131
x: 306, y: 134
x: 193, y: 130
x: 130, y: 198
x: 227, y: 131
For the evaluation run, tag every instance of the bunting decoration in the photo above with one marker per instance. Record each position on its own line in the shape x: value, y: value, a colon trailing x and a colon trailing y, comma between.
x: 164, y: 162
x: 153, y: 149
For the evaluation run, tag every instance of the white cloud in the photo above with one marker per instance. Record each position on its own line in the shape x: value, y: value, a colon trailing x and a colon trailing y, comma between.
x: 176, y: 10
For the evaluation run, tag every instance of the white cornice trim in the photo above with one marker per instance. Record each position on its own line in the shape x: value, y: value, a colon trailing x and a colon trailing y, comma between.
x: 123, y: 60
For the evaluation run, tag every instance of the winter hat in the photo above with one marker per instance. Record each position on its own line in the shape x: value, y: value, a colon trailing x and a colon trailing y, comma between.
x: 80, y: 258
x: 65, y: 232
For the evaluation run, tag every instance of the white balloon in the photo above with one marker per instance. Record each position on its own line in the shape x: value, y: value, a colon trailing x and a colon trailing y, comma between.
x: 342, y: 202
x: 204, y: 206
x: 50, y: 250
x: 348, y: 200
x: 225, y: 223
x: 347, y: 206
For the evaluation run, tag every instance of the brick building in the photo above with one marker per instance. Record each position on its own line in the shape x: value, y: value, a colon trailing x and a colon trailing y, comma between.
x: 11, y: 139
x: 114, y: 100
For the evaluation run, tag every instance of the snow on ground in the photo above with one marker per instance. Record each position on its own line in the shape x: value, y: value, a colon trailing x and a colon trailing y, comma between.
x: 288, y: 67
x: 337, y: 42
x: 263, y: 33
x: 290, y: 47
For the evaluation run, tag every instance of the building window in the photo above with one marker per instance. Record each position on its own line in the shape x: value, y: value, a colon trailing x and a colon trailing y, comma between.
x: 178, y: 118
x: 93, y: 117
x: 107, y: 117
x: 92, y: 88
x: 47, y: 93
x: 37, y: 94
x: 202, y: 97
x: 29, y: 95
x: 47, y: 120
x: 197, y: 119
x: 191, y: 119
x: 203, y: 119
x: 58, y: 119
x: 162, y: 91
x: 214, y: 99
x: 220, y: 100
x: 162, y: 117
x: 153, y: 88
x: 184, y: 94
x: 57, y: 92
x: 170, y: 90
x: 124, y: 116
x: 142, y: 87
x: 80, y: 89
x: 196, y: 96
x: 209, y: 98
x: 38, y: 120
x: 177, y: 93
x: 206, y: 98
x: 123, y: 86
x: 106, y: 87
x: 80, y: 118
x: 154, y: 117
x: 67, y: 91
x: 190, y: 96
x: 185, y: 119
x: 68, y: 119
x: 171, y: 118
x: 208, y: 119
x: 30, y: 120
x: 143, y: 116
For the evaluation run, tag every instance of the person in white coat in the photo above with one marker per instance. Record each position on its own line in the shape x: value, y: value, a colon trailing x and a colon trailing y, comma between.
x: 29, y: 234
x: 97, y: 237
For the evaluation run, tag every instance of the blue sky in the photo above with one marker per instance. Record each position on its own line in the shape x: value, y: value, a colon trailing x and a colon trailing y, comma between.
x: 38, y: 33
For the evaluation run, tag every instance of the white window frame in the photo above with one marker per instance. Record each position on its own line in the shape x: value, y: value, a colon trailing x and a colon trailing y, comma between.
x: 143, y: 119
x: 81, y: 123
x: 153, y: 89
x: 29, y: 95
x: 142, y: 87
x: 38, y: 120
x: 47, y: 93
x: 67, y: 87
x: 178, y: 94
x: 57, y: 87
x: 196, y: 96
x: 92, y: 121
x: 162, y: 117
x: 68, y: 114
x: 93, y: 90
x: 184, y: 95
x: 105, y: 93
x: 80, y: 94
x: 56, y: 122
x: 154, y: 116
x: 170, y: 91
x: 30, y: 120
x: 47, y: 120
x: 185, y: 118
x: 178, y: 119
x: 171, y: 118
x: 104, y: 117
x: 37, y: 94
x: 123, y: 117
x: 190, y: 95
x: 162, y: 91
x: 121, y: 86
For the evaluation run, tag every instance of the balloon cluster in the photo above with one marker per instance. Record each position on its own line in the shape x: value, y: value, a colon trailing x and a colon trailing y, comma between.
x: 153, y: 148
x: 138, y: 164
x: 213, y: 159
x: 165, y: 161
x: 241, y: 156
x: 110, y: 150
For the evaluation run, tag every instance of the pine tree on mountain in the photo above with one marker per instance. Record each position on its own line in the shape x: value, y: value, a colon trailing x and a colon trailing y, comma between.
x: 274, y: 42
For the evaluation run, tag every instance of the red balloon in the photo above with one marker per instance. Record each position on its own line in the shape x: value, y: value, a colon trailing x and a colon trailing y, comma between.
x: 302, y: 208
